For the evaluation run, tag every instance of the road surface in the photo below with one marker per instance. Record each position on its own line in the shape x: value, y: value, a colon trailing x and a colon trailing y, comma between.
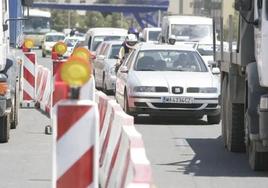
x: 26, y: 160
x: 190, y: 154
x: 183, y: 153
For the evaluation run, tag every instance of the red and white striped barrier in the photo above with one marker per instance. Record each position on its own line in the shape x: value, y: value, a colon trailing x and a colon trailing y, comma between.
x: 44, y: 89
x: 123, y: 162
x: 28, y: 79
x: 76, y: 141
x: 131, y: 168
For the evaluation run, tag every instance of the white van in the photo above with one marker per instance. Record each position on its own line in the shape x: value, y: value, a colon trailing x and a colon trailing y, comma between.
x: 95, y: 36
x: 150, y: 34
x: 195, y: 31
x: 187, y: 28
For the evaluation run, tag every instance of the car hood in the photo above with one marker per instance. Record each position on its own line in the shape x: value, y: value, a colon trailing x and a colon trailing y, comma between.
x: 174, y: 78
x: 50, y: 44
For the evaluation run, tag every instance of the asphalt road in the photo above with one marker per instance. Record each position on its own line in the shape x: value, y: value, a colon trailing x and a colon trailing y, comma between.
x: 184, y: 153
x: 188, y: 153
x: 26, y: 160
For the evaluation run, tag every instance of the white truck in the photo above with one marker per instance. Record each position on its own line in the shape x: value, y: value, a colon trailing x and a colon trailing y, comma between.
x: 9, y: 68
x: 244, y: 84
x: 194, y: 31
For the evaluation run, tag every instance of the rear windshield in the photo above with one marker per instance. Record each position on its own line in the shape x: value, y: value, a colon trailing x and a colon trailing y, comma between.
x: 169, y: 60
x: 98, y: 39
x: 114, y: 51
x: 54, y: 38
x: 153, y: 35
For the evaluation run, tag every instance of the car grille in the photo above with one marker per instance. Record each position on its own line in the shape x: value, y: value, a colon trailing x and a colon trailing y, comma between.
x: 161, y: 89
x: 174, y: 105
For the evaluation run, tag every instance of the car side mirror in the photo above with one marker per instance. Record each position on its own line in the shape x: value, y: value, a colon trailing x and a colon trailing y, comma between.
x: 124, y: 69
x: 215, y: 70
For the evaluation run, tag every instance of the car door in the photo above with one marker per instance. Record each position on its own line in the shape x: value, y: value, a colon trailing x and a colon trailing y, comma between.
x: 122, y: 76
x: 97, y: 67
x: 102, y: 61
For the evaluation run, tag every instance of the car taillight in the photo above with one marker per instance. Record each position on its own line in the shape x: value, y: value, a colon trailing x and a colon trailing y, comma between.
x: 3, y: 88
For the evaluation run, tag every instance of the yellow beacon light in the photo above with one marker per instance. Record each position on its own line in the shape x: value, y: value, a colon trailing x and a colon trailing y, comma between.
x: 60, y: 48
x: 76, y: 71
x: 28, y: 43
x: 82, y: 53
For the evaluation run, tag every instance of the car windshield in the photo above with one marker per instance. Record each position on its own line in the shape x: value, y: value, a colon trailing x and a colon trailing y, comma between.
x: 70, y: 42
x: 191, y: 32
x: 54, y: 38
x: 114, y: 51
x: 98, y: 39
x: 37, y: 25
x: 169, y: 60
x: 153, y: 35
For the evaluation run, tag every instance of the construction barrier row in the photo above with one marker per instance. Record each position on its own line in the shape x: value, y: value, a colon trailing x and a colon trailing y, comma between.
x: 123, y: 162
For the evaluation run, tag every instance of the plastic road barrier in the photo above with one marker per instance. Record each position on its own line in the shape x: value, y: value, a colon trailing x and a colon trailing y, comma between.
x: 28, y: 79
x: 76, y: 141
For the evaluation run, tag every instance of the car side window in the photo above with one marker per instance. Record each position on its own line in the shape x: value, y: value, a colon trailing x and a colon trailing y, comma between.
x: 129, y: 60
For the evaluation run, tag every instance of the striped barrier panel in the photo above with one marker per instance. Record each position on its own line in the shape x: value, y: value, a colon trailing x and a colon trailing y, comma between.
x: 123, y: 162
x: 76, y: 144
x: 28, y: 79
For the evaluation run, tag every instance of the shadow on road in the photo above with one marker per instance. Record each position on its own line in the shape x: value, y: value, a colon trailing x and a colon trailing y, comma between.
x: 170, y: 120
x: 212, y: 159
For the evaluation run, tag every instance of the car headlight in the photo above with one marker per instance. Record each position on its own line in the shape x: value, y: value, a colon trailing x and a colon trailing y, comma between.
x: 208, y: 90
x: 144, y: 89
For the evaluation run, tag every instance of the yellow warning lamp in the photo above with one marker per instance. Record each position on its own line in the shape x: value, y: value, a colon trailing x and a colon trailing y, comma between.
x: 76, y: 71
x: 82, y: 53
x: 28, y: 43
x: 60, y: 48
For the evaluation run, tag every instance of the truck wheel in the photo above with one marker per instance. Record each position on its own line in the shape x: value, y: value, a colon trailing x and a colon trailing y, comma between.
x: 214, y: 119
x: 257, y: 160
x: 235, y: 131
x: 4, y: 129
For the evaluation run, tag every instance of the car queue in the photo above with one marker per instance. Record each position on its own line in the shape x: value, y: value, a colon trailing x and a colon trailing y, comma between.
x: 157, y: 79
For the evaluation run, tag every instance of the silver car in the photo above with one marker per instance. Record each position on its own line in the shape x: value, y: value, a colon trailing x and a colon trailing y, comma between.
x: 104, y: 65
x: 168, y: 80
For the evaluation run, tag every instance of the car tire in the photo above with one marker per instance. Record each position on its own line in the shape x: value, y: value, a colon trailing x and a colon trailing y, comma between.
x: 104, y: 87
x: 215, y: 119
x: 126, y: 107
x: 223, y: 111
x: 4, y: 128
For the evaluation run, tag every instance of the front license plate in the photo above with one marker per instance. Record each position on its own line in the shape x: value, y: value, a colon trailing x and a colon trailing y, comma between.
x: 182, y: 100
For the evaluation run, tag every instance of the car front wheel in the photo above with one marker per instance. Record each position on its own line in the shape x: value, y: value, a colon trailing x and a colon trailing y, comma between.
x: 126, y: 107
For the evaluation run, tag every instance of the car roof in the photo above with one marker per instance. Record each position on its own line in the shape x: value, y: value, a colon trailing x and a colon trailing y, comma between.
x: 55, y: 33
x: 189, y: 20
x: 113, y: 42
x: 152, y: 29
x: 153, y: 46
x: 107, y: 31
